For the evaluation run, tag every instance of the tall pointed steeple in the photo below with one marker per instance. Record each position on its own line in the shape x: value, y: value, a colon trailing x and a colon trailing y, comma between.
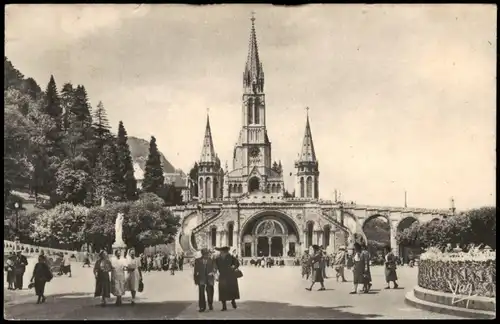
x: 208, y: 150
x: 307, y: 153
x: 307, y: 176
x: 253, y: 77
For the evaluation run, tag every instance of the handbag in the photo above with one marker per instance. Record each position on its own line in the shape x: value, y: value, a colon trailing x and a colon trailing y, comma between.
x: 141, y: 286
x: 238, y: 273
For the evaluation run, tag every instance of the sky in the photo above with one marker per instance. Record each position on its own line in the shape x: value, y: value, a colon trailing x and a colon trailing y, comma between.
x: 401, y: 97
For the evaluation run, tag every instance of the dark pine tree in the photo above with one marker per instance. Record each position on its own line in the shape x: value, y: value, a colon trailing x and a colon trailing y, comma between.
x: 52, y: 102
x: 153, y: 177
x: 128, y: 184
x: 100, y: 124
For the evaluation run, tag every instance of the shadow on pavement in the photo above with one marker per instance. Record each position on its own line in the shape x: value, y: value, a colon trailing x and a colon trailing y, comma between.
x: 85, y: 306
x: 274, y: 310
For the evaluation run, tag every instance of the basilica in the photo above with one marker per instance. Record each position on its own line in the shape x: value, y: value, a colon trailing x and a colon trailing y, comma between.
x: 244, y: 207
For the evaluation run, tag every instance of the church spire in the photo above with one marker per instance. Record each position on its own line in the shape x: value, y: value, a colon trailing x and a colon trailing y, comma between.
x: 253, y: 77
x: 308, y: 154
x: 208, y: 151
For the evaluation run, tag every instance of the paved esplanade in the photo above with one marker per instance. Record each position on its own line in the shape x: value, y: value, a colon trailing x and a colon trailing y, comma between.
x: 266, y: 293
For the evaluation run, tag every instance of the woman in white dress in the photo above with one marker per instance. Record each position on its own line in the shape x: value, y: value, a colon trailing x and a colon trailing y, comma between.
x: 134, y: 277
x: 118, y: 276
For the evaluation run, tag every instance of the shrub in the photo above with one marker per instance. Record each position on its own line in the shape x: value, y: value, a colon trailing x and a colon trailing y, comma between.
x: 476, y: 226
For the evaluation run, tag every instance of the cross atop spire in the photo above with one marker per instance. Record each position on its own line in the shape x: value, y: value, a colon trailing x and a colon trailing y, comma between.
x: 208, y: 150
x: 307, y: 152
x: 253, y: 77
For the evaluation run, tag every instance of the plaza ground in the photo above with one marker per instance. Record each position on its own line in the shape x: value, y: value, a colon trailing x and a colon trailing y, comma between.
x: 273, y: 293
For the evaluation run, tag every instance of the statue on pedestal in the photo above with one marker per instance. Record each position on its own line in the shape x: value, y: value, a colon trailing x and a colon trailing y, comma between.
x: 119, y: 243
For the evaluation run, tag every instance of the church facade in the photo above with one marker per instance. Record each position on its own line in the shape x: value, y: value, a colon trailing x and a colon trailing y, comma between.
x: 245, y: 207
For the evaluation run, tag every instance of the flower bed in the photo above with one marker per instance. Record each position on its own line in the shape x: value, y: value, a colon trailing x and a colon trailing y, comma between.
x: 460, y: 273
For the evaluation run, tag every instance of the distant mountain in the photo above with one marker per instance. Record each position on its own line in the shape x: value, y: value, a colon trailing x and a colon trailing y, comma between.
x: 139, y: 149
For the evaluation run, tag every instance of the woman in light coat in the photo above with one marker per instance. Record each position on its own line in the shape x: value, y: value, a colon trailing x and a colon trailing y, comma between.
x: 118, y: 276
x: 134, y: 277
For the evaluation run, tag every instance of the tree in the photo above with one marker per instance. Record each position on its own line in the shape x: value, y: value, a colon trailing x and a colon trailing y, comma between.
x: 128, y: 184
x: 67, y: 102
x: 52, y: 102
x: 153, y: 177
x: 62, y: 226
x: 16, y: 149
x: 13, y: 79
x: 101, y: 127
x: 193, y: 175
x: 72, y: 181
x: 32, y: 89
x: 146, y: 221
x: 105, y: 176
x: 483, y: 222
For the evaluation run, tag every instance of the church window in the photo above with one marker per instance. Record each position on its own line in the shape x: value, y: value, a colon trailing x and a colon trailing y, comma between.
x: 230, y: 188
x: 240, y: 189
x: 208, y: 185
x: 326, y: 236
x: 316, y: 191
x: 310, y: 227
x: 256, y: 116
x: 213, y: 236
x: 301, y: 187
x: 278, y: 188
x: 230, y: 231
x: 200, y: 188
x: 216, y: 189
x: 250, y: 111
x: 309, y: 184
x: 268, y: 188
x: 273, y: 188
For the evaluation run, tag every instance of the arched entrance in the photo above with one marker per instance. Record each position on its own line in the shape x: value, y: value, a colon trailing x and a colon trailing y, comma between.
x: 405, y: 252
x: 377, y: 230
x: 253, y: 184
x: 269, y: 234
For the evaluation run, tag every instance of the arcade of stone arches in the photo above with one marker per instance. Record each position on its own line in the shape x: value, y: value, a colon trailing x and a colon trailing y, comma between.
x: 277, y: 235
x: 271, y: 236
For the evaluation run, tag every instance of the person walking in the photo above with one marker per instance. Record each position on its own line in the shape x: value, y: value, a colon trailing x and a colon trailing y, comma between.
x: 317, y: 270
x: 339, y: 263
x: 134, y: 277
x: 390, y: 268
x: 118, y: 276
x: 172, y: 264
x: 360, y: 270
x: 20, y: 264
x: 41, y: 275
x: 181, y: 261
x: 66, y: 264
x: 102, y: 268
x: 306, y: 265
x: 11, y: 271
x: 228, y: 269
x: 204, y: 278
x: 86, y: 260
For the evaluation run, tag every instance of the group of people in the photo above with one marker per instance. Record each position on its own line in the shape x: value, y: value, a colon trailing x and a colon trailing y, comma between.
x: 162, y: 261
x: 267, y: 262
x: 315, y: 265
x: 16, y: 267
x: 117, y: 275
x: 223, y: 268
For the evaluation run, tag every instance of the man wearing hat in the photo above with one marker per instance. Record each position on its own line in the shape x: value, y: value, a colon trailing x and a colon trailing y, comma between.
x: 227, y: 266
x: 340, y: 261
x: 20, y: 264
x: 317, y: 271
x: 204, y: 271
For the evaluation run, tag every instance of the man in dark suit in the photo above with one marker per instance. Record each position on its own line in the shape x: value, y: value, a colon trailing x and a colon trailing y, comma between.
x: 204, y: 271
x: 20, y: 265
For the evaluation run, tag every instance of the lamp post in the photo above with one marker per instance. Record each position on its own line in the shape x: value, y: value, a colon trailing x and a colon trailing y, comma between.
x: 16, y: 208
